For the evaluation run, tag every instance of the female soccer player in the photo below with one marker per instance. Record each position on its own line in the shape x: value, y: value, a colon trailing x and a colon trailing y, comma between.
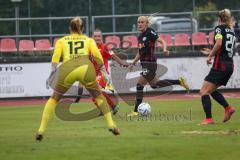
x: 146, y: 42
x: 75, y: 50
x: 222, y: 68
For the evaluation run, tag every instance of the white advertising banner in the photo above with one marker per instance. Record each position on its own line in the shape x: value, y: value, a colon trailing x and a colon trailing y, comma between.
x: 24, y: 79
x: 29, y: 79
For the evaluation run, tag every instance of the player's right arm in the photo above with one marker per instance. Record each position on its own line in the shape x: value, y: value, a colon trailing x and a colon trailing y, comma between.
x: 57, y: 54
x: 55, y: 60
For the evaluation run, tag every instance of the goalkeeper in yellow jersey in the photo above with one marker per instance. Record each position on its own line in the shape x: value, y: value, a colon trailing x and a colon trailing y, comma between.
x: 75, y: 50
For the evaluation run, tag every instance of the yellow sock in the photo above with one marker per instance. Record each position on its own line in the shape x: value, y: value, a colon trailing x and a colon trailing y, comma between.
x: 47, y: 114
x: 103, y: 106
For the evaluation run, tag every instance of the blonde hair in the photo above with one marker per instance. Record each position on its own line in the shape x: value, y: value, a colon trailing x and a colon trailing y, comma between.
x: 76, y: 25
x: 225, y: 17
x: 148, y: 19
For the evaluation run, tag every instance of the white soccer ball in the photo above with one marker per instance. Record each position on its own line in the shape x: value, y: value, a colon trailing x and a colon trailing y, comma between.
x: 144, y: 109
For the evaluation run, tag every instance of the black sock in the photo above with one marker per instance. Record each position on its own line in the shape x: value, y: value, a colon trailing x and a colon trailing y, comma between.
x: 217, y: 96
x: 173, y: 82
x: 160, y: 84
x: 79, y: 96
x: 206, y: 102
x: 139, y: 96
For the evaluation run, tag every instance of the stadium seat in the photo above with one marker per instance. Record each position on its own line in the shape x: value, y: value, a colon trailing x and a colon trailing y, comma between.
x: 130, y: 41
x: 26, y: 45
x: 181, y: 39
x: 42, y: 45
x: 8, y: 45
x: 167, y: 38
x: 199, y: 39
x: 211, y: 37
x: 112, y: 41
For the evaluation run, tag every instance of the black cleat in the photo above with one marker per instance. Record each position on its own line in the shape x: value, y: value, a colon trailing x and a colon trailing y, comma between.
x: 39, y: 137
x: 115, y: 131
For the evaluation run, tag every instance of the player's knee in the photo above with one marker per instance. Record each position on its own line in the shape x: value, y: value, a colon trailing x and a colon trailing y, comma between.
x: 99, y: 100
x: 139, y: 87
x: 204, y: 92
x: 57, y: 96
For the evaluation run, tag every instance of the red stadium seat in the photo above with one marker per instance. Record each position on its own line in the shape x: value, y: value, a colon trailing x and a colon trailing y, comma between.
x: 211, y: 37
x: 42, y: 45
x: 8, y: 45
x: 167, y: 38
x: 130, y: 41
x: 181, y: 39
x: 26, y: 45
x: 199, y: 39
x: 112, y: 41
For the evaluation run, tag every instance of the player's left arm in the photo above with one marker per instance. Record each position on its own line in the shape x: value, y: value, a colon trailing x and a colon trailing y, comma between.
x: 164, y: 45
x: 216, y: 47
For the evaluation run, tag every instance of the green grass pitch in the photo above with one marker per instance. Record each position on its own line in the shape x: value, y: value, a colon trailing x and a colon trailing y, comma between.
x: 173, y: 135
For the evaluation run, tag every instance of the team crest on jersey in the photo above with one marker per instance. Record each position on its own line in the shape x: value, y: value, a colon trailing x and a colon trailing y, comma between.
x: 144, y: 38
x: 154, y: 33
x: 218, y: 30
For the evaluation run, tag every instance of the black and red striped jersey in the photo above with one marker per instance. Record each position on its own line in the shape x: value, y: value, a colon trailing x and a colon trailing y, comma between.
x: 146, y: 45
x: 224, y: 56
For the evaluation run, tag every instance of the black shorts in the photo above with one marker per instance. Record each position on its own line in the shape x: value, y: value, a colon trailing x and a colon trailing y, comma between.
x: 219, y: 77
x: 149, y: 70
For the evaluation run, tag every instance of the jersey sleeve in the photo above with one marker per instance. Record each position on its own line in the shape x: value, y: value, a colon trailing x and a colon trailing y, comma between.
x: 108, y: 52
x: 218, y: 33
x: 95, y: 52
x: 153, y: 34
x: 57, y: 52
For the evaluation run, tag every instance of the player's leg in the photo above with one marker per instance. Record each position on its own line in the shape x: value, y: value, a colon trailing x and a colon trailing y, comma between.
x: 89, y: 81
x: 49, y: 109
x: 217, y: 96
x: 169, y: 82
x: 63, y: 82
x: 101, y: 103
x: 139, y: 94
x: 105, y: 91
x: 206, y: 89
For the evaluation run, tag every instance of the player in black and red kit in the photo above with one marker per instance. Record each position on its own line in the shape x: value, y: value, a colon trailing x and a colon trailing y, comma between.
x: 146, y: 45
x: 222, y: 68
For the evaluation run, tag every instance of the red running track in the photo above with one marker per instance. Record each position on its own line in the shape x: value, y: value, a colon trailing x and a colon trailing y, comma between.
x: 24, y: 102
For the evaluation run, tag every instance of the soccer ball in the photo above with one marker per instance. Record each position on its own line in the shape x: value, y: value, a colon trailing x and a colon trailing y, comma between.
x: 144, y: 109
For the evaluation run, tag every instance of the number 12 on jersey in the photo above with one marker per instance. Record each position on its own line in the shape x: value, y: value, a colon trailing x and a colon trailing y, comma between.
x: 75, y: 46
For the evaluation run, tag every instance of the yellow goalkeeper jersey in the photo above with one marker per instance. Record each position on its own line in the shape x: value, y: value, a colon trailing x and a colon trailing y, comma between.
x: 76, y: 45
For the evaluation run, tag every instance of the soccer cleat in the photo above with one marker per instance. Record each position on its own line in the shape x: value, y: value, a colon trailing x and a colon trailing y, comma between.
x: 132, y: 114
x: 115, y: 131
x: 38, y: 137
x: 207, y: 121
x: 228, y: 113
x: 183, y: 83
